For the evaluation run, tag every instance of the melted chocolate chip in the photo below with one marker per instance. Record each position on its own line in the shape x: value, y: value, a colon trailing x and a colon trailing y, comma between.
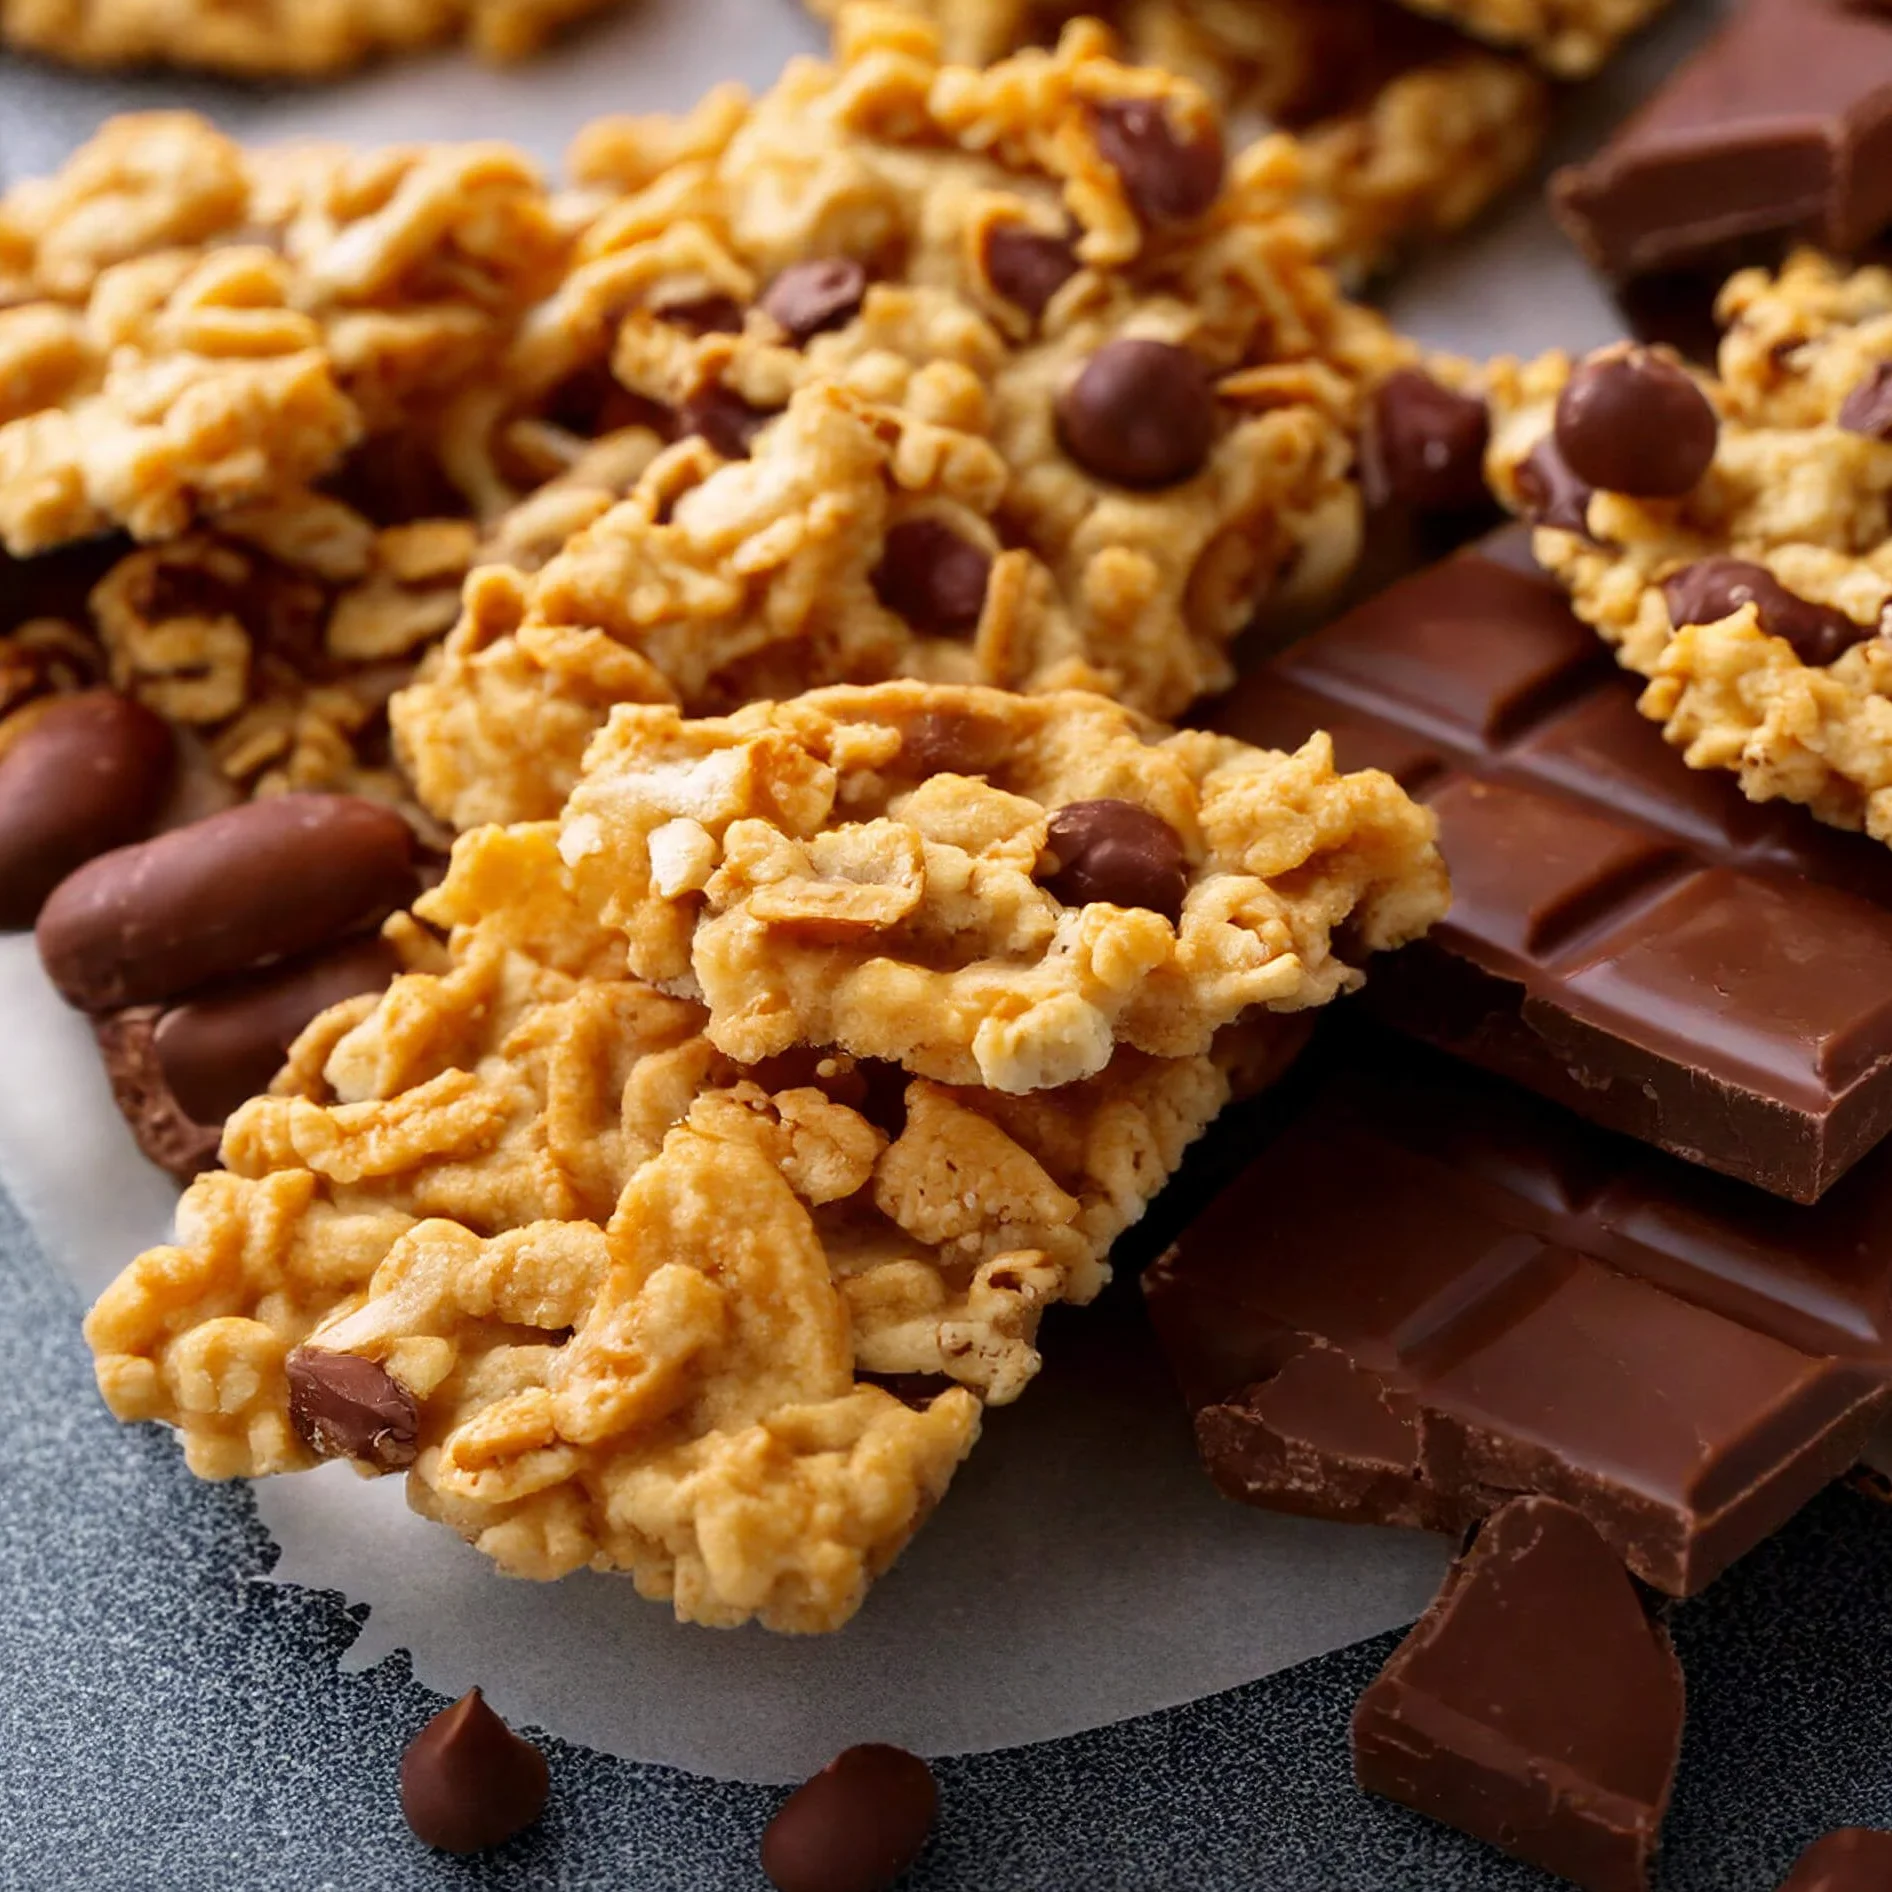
x: 1026, y: 266
x: 856, y: 1827
x: 1168, y: 178
x: 468, y: 1782
x: 343, y: 1406
x: 1868, y: 408
x: 1425, y: 446
x: 1141, y: 413
x: 705, y: 315
x: 1115, y: 851
x: 809, y: 297
x: 1552, y: 494
x: 1630, y: 422
x: 948, y: 742
x: 1714, y: 588
x: 723, y: 418
x: 932, y: 577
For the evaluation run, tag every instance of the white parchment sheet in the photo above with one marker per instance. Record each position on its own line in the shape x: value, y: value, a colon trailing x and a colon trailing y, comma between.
x: 1082, y: 1569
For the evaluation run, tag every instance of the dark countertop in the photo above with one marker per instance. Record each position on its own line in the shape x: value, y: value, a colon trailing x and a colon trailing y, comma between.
x: 176, y: 1725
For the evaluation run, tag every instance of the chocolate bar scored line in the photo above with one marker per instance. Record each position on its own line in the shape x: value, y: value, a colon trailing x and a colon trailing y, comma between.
x: 1628, y: 936
x: 1431, y: 1292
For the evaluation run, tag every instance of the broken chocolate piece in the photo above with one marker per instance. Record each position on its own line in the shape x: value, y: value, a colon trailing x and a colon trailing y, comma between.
x: 167, y: 1134
x: 1431, y: 1293
x: 1780, y: 126
x: 468, y: 1782
x: 1854, y: 1859
x: 1628, y: 936
x: 856, y: 1826
x: 1535, y: 1704
x: 343, y: 1406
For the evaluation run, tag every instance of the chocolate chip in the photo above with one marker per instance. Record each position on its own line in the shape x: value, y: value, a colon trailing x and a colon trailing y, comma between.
x: 1425, y: 446
x: 1141, y: 413
x: 932, y: 577
x: 1714, y: 588
x: 705, y: 315
x: 468, y: 1782
x: 1026, y: 266
x: 1168, y: 178
x: 808, y: 297
x: 1552, y: 494
x: 1115, y: 851
x: 1630, y: 422
x: 948, y: 742
x: 856, y: 1827
x: 343, y: 1406
x: 1868, y: 409
x: 723, y: 418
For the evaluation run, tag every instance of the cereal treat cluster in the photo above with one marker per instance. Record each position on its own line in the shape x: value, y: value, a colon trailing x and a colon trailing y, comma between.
x: 1729, y: 534
x: 521, y: 1228
x: 270, y: 39
x: 986, y: 888
x: 1004, y: 376
x: 1407, y: 129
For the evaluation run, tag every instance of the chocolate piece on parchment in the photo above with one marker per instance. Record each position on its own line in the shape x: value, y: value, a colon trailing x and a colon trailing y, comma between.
x: 1628, y: 936
x: 1854, y: 1859
x: 1536, y: 1704
x: 468, y: 1782
x: 1431, y: 1293
x: 854, y: 1827
x: 1780, y: 127
x: 164, y: 1131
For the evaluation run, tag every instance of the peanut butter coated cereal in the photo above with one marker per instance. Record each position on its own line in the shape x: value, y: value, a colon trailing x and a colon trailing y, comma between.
x: 524, y: 1228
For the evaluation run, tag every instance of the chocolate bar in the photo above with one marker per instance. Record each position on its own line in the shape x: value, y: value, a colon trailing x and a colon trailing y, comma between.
x: 1628, y: 936
x: 1779, y: 127
x: 1535, y: 1704
x: 1431, y: 1292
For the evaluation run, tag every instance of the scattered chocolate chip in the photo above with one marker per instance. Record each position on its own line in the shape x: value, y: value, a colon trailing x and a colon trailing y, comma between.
x: 1424, y: 446
x: 343, y: 1406
x: 1115, y: 851
x: 723, y: 418
x: 932, y: 577
x: 705, y: 315
x: 1141, y: 413
x: 1552, y: 494
x: 1026, y: 266
x: 1868, y: 408
x: 89, y: 773
x: 1630, y: 422
x: 1853, y: 1859
x: 468, y: 1782
x: 1168, y: 178
x: 808, y: 297
x: 856, y: 1826
x: 1714, y: 588
x: 948, y: 742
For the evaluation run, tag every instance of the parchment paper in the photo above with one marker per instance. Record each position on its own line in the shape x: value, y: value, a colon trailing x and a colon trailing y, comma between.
x: 1082, y: 1569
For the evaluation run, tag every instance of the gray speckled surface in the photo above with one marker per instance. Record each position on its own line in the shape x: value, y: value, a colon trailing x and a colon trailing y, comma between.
x: 175, y: 1724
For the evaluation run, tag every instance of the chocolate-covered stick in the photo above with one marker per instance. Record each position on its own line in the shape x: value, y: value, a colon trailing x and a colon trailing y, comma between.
x: 1628, y: 936
x: 1431, y: 1293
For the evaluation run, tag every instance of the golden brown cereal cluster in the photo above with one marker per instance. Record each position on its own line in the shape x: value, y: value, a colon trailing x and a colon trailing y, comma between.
x: 1791, y: 690
x: 625, y: 1297
x: 309, y: 39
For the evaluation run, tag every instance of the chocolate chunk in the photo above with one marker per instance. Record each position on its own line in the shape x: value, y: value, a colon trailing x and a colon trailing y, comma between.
x: 1431, y: 1293
x: 1630, y: 422
x: 90, y: 772
x: 1868, y: 408
x: 1854, y: 1859
x: 856, y: 1826
x: 1167, y: 177
x: 1534, y: 1705
x: 950, y: 742
x: 468, y: 1782
x: 932, y: 577
x: 809, y: 297
x: 1141, y: 413
x: 253, y: 884
x: 1026, y: 266
x: 166, y: 1133
x: 1714, y: 588
x: 705, y: 315
x: 1777, y: 127
x: 343, y: 1406
x: 723, y: 418
x: 1424, y: 446
x: 1115, y: 851
x: 226, y: 1044
x: 1552, y: 494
